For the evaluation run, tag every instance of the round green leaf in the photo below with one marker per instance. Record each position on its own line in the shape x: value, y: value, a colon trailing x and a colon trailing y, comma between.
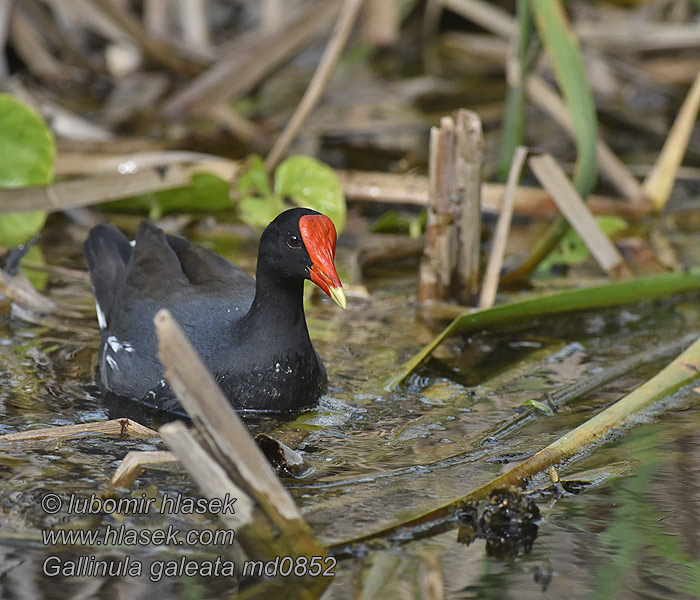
x: 258, y: 211
x: 26, y: 158
x: 312, y: 184
x: 18, y: 228
x: 37, y: 278
x: 252, y: 179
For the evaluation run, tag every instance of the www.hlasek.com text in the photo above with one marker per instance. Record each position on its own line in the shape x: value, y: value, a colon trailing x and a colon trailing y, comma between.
x: 122, y: 535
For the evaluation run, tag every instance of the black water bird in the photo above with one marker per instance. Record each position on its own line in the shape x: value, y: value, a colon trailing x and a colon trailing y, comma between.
x: 251, y: 333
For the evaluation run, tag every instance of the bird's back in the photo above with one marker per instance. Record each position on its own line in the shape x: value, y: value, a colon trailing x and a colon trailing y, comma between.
x: 205, y: 293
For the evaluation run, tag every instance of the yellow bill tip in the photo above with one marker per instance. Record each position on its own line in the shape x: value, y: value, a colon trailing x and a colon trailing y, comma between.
x: 338, y: 296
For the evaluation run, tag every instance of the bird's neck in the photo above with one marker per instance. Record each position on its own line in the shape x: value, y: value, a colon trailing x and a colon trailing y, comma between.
x: 278, y: 306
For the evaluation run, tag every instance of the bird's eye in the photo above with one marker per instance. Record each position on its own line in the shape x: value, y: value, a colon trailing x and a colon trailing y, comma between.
x: 293, y: 241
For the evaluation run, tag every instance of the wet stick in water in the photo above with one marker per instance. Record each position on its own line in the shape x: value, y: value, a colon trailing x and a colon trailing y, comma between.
x: 228, y: 441
x: 216, y: 483
x: 133, y: 464
x: 121, y: 427
x: 603, y: 427
x: 247, y: 520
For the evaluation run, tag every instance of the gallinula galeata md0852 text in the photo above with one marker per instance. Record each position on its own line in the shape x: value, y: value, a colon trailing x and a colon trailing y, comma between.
x: 251, y: 333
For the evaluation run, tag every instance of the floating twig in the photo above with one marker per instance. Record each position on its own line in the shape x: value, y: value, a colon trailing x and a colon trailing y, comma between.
x: 134, y: 462
x: 118, y: 427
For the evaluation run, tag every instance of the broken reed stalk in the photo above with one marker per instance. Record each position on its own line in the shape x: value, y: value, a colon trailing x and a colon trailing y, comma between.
x: 280, y: 528
x: 162, y: 170
x: 172, y: 56
x: 450, y: 264
x: 249, y: 522
x: 381, y: 23
x: 504, y: 25
x: 32, y: 48
x: 370, y: 186
x: 659, y: 182
x: 486, y: 14
x: 72, y: 164
x: 601, y: 428
x: 211, y: 477
x: 500, y: 237
x: 574, y: 209
x: 319, y: 81
x: 195, y: 25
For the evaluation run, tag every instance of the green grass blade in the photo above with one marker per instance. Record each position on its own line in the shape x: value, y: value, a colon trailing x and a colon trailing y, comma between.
x: 516, y: 313
x: 564, y: 54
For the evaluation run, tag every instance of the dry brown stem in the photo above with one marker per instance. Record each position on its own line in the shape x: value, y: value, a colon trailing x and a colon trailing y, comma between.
x: 235, y: 74
x: 319, y: 81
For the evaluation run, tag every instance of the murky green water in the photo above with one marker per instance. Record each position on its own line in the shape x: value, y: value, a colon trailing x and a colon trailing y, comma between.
x: 633, y: 536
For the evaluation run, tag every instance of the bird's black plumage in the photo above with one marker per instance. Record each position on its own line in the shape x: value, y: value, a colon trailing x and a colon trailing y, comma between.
x: 251, y: 333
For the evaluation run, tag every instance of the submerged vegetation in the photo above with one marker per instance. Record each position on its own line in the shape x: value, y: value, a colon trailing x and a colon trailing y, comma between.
x: 213, y: 116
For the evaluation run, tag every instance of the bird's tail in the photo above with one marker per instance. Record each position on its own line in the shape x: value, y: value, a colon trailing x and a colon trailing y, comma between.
x: 107, y: 250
